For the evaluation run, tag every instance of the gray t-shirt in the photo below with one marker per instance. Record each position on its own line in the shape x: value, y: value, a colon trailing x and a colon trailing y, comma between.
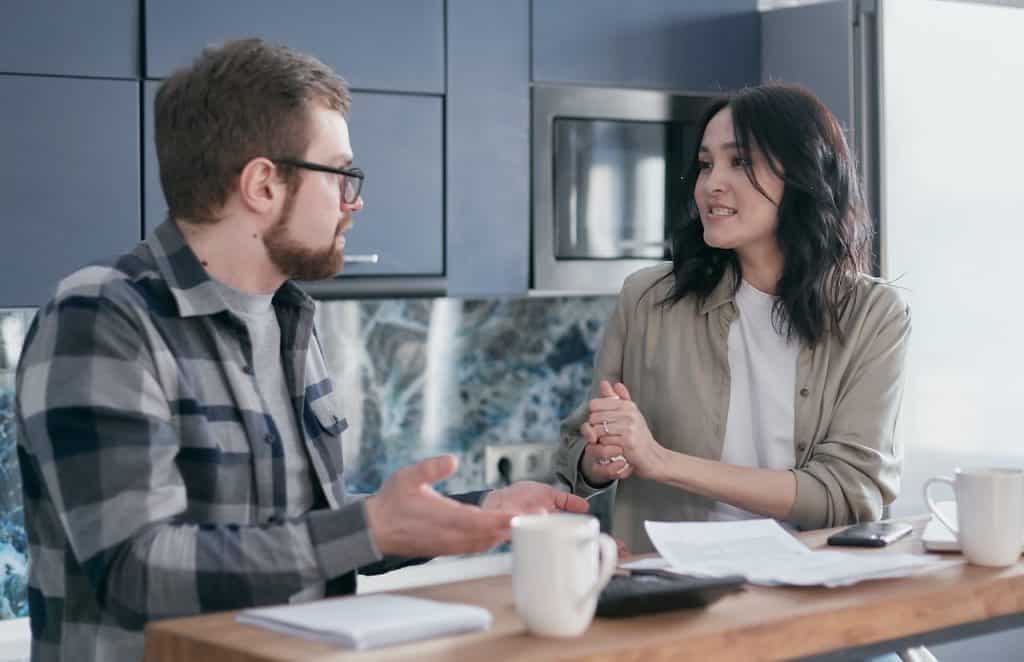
x: 257, y: 311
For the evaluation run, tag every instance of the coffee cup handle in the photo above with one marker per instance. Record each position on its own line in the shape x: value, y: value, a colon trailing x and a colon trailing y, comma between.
x: 609, y: 554
x: 931, y: 503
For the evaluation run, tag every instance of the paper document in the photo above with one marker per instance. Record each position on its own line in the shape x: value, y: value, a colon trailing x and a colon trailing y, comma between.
x: 370, y: 621
x: 766, y: 554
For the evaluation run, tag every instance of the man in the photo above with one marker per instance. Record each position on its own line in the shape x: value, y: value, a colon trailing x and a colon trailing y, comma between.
x: 179, y: 440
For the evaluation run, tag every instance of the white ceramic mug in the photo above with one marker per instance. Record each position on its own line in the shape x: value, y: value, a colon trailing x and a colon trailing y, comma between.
x: 560, y: 563
x: 989, y: 513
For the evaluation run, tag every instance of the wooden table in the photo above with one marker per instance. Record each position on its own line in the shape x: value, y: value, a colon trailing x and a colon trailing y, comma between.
x: 758, y: 624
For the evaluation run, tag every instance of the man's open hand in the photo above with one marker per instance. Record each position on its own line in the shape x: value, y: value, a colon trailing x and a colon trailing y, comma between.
x: 408, y: 518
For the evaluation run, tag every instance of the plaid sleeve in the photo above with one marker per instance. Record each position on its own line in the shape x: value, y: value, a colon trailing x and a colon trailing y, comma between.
x: 97, y: 429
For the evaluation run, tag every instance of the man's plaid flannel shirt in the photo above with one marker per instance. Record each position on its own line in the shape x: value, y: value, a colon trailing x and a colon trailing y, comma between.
x: 153, y: 475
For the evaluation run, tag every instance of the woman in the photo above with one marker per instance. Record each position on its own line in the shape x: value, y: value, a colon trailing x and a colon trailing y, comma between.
x: 760, y: 374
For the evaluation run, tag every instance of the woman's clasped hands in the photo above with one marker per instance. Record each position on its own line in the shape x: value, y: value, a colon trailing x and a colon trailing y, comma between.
x: 619, y: 442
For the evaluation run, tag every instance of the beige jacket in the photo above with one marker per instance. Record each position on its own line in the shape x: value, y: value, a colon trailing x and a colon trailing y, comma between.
x: 674, y: 360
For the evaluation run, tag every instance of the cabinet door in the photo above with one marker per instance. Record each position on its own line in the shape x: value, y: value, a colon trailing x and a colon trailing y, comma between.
x: 397, y: 141
x: 694, y: 45
x: 70, y: 38
x: 812, y: 45
x: 380, y: 45
x: 71, y: 181
x: 488, y: 155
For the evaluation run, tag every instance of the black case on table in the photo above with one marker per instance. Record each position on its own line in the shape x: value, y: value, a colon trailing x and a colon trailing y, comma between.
x: 652, y: 591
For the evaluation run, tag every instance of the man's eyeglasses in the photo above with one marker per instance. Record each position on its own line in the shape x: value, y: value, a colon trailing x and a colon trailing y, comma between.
x: 352, y: 178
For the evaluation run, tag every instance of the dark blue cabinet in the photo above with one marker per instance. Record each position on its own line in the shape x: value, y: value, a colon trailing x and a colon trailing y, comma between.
x: 395, y: 45
x: 70, y: 38
x: 71, y: 180
x: 397, y: 141
x: 698, y: 45
x: 487, y: 161
x: 809, y: 45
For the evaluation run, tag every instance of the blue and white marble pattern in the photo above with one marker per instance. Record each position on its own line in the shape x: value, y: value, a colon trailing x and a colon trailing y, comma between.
x: 416, y: 378
x: 421, y: 377
x: 13, y: 543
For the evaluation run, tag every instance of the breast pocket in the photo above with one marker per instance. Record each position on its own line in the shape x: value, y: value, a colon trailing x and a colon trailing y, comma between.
x: 325, y: 429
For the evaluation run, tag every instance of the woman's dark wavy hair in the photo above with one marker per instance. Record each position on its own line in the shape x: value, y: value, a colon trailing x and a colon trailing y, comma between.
x: 824, y: 230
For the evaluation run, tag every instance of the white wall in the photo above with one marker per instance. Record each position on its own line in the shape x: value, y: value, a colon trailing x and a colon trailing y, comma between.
x: 953, y: 232
x: 953, y: 229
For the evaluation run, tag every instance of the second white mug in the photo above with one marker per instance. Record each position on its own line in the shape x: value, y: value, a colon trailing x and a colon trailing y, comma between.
x: 989, y: 513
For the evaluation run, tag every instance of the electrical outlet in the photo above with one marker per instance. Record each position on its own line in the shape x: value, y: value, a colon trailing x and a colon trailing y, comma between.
x: 531, y: 461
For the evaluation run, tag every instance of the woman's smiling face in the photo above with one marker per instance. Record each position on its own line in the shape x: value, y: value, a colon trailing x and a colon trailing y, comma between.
x: 734, y: 213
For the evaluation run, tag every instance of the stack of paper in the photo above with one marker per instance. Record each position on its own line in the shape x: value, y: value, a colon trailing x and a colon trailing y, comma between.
x: 764, y: 553
x: 370, y: 621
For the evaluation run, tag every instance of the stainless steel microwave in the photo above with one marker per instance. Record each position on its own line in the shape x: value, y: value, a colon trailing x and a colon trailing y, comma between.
x: 607, y: 164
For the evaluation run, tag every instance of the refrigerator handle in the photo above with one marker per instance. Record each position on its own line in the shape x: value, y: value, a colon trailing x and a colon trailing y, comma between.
x: 866, y: 109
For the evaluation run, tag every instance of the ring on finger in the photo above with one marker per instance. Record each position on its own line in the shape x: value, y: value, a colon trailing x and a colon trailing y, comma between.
x: 604, y: 424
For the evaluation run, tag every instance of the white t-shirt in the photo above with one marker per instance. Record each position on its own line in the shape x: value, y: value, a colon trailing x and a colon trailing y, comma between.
x: 762, y: 367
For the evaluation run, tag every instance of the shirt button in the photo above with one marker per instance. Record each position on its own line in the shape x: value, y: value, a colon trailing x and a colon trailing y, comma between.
x: 270, y: 439
x: 804, y: 392
x: 247, y: 369
x: 802, y: 446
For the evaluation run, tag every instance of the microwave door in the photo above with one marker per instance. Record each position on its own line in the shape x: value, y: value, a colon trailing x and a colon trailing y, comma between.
x: 606, y: 173
x: 610, y: 184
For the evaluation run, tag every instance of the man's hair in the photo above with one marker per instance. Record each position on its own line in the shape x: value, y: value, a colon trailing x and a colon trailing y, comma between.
x: 237, y: 101
x: 824, y: 229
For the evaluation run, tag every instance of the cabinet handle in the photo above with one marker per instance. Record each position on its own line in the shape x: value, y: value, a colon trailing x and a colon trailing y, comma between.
x: 369, y: 258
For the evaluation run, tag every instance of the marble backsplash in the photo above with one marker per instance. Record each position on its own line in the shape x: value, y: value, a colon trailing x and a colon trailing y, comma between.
x: 422, y: 377
x: 415, y: 377
x: 13, y: 543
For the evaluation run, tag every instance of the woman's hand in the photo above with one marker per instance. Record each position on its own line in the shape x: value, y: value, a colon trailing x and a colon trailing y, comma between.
x: 602, y: 463
x: 617, y: 423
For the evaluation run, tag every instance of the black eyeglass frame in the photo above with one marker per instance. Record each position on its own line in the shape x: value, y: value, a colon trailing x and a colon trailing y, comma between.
x: 355, y: 174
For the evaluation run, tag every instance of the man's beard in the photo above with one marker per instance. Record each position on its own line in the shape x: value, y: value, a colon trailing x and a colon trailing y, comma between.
x: 295, y: 260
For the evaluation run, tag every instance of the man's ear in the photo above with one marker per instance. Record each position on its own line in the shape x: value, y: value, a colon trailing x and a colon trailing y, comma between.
x: 260, y: 188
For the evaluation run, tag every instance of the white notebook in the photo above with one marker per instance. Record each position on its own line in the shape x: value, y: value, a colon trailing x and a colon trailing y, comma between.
x: 370, y: 621
x: 936, y: 537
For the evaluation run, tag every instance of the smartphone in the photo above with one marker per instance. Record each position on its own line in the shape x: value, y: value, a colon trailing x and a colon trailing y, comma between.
x: 870, y: 534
